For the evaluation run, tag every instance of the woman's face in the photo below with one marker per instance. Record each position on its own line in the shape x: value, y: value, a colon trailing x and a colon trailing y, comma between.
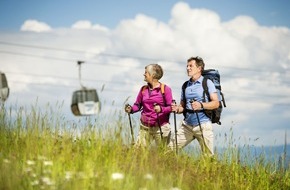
x: 147, y: 76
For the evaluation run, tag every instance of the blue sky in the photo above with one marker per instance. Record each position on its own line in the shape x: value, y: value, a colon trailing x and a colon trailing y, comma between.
x: 61, y: 13
x: 247, y: 41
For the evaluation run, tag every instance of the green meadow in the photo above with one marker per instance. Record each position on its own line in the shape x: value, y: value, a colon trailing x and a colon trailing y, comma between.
x: 44, y: 150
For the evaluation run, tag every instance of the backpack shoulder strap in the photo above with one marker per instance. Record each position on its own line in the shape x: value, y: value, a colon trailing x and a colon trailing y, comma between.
x: 183, y: 89
x: 183, y: 94
x: 162, y: 88
x: 205, y: 89
x: 163, y: 93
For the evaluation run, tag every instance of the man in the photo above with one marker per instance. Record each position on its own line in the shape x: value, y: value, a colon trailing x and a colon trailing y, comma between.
x: 192, y: 106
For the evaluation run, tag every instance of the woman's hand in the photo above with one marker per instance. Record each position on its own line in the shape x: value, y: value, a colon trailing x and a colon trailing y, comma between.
x: 128, y: 108
x: 157, y: 108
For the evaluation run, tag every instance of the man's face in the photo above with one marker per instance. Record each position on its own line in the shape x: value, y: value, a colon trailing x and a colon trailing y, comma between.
x: 192, y: 69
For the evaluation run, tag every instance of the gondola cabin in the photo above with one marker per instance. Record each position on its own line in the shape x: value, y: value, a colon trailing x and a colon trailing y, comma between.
x: 85, y: 102
x: 4, y: 89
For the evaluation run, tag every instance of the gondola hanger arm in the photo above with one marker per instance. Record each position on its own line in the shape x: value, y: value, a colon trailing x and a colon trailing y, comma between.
x: 80, y: 78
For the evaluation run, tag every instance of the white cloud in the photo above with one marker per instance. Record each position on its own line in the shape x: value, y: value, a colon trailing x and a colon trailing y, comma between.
x: 86, y: 24
x: 193, y: 21
x: 143, y: 34
x: 35, y: 26
x: 82, y: 24
x: 242, y: 26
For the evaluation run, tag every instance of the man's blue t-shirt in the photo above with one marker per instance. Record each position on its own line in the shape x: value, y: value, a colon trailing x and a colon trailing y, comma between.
x: 194, y: 91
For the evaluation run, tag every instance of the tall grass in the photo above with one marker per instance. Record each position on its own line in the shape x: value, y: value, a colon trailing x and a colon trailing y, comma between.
x: 42, y: 150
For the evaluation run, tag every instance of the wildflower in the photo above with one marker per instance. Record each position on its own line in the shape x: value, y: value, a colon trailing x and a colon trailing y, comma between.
x: 117, y: 176
x: 68, y: 175
x: 30, y: 162
x: 148, y: 176
x: 35, y: 182
x: 28, y: 170
x: 175, y: 188
x: 47, y: 181
x: 81, y: 175
x: 6, y: 161
x: 48, y: 163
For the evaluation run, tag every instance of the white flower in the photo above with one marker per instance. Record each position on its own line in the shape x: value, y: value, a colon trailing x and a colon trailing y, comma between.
x: 47, y: 181
x: 81, y: 175
x: 27, y: 170
x: 68, y: 175
x: 30, y: 162
x: 175, y: 188
x: 148, y: 176
x: 6, y: 161
x: 48, y: 163
x: 35, y: 182
x: 117, y: 176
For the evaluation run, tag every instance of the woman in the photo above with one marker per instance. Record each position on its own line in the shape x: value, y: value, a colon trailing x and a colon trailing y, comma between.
x: 154, y: 102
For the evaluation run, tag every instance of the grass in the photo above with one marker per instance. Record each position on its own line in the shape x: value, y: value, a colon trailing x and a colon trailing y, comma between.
x: 42, y: 150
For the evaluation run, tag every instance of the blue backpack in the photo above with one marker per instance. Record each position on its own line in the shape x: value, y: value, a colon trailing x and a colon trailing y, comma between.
x: 214, y: 76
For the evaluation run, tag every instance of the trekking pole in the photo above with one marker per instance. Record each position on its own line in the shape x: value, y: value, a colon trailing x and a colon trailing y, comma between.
x: 191, y: 101
x: 158, y: 121
x: 132, y: 133
x: 175, y: 128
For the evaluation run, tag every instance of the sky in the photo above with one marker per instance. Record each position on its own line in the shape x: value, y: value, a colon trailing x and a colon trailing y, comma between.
x: 247, y: 41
